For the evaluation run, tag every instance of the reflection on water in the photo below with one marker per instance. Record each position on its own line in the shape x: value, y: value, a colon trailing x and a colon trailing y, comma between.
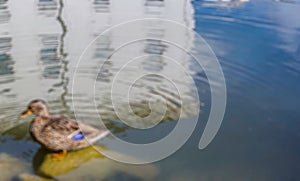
x: 154, y: 8
x: 47, y: 7
x: 103, y: 49
x: 6, y: 62
x: 7, y: 79
x: 49, y: 56
x: 101, y: 6
x: 102, y: 62
x: 4, y: 12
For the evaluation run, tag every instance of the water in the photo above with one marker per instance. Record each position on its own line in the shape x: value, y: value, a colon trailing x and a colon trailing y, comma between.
x: 256, y: 43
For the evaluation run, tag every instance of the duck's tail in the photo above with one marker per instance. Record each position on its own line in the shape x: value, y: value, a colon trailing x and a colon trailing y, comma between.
x: 94, y: 137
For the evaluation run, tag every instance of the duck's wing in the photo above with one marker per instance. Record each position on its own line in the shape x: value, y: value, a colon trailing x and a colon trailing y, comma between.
x: 71, y: 134
x: 60, y: 126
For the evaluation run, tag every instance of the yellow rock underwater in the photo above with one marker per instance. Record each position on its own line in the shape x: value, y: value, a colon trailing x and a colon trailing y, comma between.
x: 46, y: 166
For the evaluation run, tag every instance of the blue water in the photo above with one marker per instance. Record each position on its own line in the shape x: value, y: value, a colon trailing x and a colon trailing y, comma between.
x: 258, y: 47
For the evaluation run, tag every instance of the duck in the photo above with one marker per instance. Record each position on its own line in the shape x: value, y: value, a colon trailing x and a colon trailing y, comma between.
x: 59, y: 134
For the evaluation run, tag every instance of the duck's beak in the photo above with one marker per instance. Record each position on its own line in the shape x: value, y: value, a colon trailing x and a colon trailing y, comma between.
x: 25, y: 113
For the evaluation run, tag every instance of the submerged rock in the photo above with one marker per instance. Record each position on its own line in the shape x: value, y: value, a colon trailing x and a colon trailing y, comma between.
x: 51, y: 168
x: 29, y: 177
x: 11, y: 167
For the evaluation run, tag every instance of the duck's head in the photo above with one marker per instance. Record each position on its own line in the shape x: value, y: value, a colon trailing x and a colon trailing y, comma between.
x: 37, y: 107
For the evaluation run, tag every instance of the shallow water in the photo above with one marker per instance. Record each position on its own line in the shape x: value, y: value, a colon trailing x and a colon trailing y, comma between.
x: 256, y: 42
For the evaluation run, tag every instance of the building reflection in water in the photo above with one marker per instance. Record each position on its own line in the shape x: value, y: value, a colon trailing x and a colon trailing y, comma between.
x: 49, y: 40
x: 52, y: 55
x: 101, y: 53
x: 103, y: 49
x: 62, y: 33
x: 155, y: 49
x: 47, y: 7
x: 4, y: 12
x: 49, y: 56
x: 7, y: 79
x: 6, y: 63
x: 6, y: 60
x: 101, y: 6
x: 154, y: 7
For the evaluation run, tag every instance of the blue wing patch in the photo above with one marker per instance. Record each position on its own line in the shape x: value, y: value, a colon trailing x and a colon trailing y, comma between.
x: 78, y: 136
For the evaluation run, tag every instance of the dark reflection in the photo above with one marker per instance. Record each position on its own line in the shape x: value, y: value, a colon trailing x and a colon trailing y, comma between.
x: 103, y: 46
x: 103, y: 49
x: 105, y: 74
x: 154, y: 7
x: 6, y: 62
x: 50, y: 42
x: 63, y: 58
x: 47, y: 7
x: 4, y: 12
x: 154, y: 46
x: 101, y: 6
x: 49, y: 55
x: 154, y: 2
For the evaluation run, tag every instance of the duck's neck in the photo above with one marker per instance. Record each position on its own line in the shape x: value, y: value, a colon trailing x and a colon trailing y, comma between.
x: 44, y: 114
x: 39, y: 122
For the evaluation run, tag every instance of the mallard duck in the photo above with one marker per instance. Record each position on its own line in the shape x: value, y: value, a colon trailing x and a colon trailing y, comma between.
x: 59, y: 134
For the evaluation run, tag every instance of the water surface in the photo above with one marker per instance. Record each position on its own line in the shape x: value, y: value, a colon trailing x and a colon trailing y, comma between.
x: 255, y: 41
